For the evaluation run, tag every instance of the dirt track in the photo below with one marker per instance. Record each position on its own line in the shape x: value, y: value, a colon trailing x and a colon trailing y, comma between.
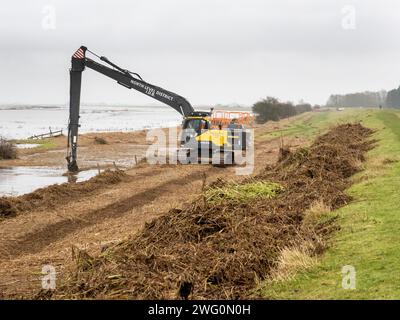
x: 108, y: 214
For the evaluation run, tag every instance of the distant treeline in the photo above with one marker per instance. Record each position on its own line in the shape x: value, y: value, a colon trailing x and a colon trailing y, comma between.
x: 382, y: 98
x: 271, y: 108
x: 359, y: 99
x: 393, y: 98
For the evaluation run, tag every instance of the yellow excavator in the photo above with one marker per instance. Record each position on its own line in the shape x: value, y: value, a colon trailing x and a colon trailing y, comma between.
x: 199, y: 136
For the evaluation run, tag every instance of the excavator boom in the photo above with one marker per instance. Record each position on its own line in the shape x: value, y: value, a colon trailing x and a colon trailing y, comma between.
x: 123, y: 77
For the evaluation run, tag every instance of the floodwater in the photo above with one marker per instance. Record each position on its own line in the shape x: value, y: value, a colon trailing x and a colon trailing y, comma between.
x: 21, y: 122
x: 27, y: 145
x: 16, y: 181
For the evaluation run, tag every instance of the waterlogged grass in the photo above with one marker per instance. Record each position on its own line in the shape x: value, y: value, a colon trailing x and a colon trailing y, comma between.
x: 43, y: 143
x: 242, y: 193
x: 369, y: 239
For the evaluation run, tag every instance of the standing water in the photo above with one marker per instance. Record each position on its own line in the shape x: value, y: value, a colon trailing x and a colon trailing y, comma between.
x: 16, y: 181
x: 21, y: 122
x: 24, y: 121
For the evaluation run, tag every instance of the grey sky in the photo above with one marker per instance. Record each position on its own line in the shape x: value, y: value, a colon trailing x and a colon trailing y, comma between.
x: 210, y: 51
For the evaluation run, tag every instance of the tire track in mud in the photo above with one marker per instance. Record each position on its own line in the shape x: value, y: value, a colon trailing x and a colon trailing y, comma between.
x: 37, y: 240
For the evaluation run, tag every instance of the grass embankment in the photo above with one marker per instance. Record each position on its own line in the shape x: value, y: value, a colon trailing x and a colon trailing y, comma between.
x: 311, y: 124
x: 369, y: 239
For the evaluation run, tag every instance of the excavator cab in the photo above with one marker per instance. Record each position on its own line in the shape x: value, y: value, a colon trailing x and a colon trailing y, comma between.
x: 196, y: 123
x: 193, y: 126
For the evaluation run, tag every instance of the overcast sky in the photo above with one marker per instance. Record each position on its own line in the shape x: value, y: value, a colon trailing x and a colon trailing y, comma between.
x: 209, y: 51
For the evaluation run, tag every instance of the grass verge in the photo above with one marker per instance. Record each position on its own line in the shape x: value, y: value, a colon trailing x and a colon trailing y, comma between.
x: 369, y: 239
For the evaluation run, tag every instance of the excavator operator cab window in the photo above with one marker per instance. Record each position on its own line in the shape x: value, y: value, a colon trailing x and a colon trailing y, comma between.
x: 196, y: 124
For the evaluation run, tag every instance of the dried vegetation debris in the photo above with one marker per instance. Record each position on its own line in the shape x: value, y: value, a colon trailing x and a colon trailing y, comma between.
x: 8, y: 150
x: 221, y: 250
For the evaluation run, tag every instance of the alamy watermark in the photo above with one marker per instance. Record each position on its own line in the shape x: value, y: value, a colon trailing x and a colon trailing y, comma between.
x: 216, y: 147
x: 349, y: 21
x: 348, y: 277
x: 49, y: 277
x: 49, y: 17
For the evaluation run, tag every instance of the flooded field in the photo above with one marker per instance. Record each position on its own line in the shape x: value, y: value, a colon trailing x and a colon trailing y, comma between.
x: 40, y: 165
x: 27, y: 145
x: 20, y: 180
x: 21, y: 122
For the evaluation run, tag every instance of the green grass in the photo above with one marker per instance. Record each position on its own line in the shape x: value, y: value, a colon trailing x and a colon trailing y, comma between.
x: 369, y: 238
x: 303, y: 126
x: 311, y: 124
x: 240, y: 193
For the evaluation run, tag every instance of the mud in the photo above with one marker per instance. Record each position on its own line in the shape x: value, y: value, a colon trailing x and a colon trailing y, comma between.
x: 120, y: 147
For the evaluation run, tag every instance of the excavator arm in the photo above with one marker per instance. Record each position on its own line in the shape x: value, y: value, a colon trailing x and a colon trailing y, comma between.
x: 123, y: 77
